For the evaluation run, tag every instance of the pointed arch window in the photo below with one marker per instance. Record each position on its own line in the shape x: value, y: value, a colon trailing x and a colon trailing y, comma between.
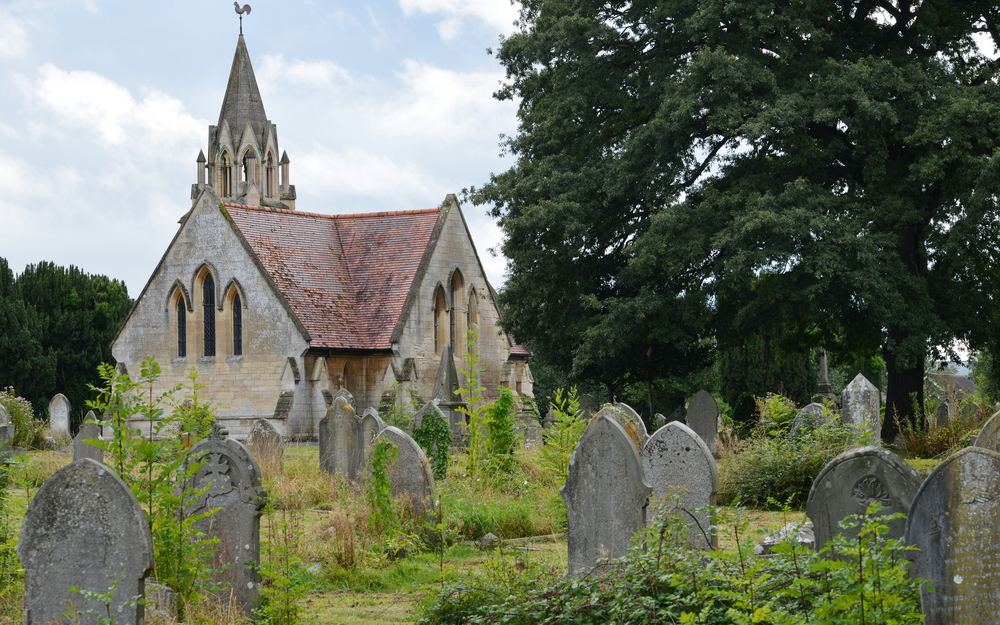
x: 237, y: 325
x: 440, y: 320
x: 227, y: 175
x: 208, y: 308
x: 181, y: 327
x: 457, y: 332
x: 472, y: 313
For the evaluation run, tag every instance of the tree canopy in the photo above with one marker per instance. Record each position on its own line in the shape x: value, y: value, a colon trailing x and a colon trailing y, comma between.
x: 58, y: 325
x: 693, y: 170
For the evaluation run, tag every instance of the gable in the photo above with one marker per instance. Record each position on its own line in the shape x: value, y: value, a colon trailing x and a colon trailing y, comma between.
x: 345, y: 277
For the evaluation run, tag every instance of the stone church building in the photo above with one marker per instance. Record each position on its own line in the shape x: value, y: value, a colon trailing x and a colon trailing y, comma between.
x: 279, y: 308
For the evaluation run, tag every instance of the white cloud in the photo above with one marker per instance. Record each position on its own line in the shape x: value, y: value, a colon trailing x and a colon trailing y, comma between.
x: 438, y: 102
x: 90, y: 101
x: 497, y: 14
x: 356, y: 172
x: 274, y: 70
x: 13, y: 34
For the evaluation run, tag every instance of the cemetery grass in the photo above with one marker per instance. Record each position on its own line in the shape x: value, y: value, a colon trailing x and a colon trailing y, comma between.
x: 356, y: 583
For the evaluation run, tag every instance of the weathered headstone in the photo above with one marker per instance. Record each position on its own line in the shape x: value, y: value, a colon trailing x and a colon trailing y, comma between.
x: 550, y: 418
x: 806, y: 419
x: 854, y: 479
x: 411, y: 476
x: 630, y: 421
x: 6, y: 427
x: 59, y: 418
x: 860, y: 405
x: 232, y: 476
x: 529, y: 429
x: 369, y: 427
x: 953, y: 522
x: 676, y: 461
x: 943, y: 414
x: 264, y: 443
x: 338, y: 438
x: 989, y: 434
x: 659, y: 421
x: 703, y: 418
x: 588, y: 405
x: 83, y: 444
x: 83, y: 528
x: 605, y: 494
x: 825, y: 389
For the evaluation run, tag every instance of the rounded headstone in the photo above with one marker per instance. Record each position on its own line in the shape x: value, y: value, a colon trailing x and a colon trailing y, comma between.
x: 83, y: 528
x: 411, y: 476
x: 338, y: 437
x: 85, y: 445
x: 989, y: 434
x: 953, y: 522
x: 59, y: 418
x: 703, y: 417
x: 605, y: 494
x: 630, y: 421
x: 808, y: 418
x: 265, y: 444
x: 854, y: 479
x: 676, y: 460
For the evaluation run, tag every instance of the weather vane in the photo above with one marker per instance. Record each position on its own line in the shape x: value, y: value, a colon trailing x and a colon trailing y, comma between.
x: 245, y: 9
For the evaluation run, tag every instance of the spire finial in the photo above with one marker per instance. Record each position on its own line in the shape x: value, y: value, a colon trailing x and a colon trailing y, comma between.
x: 245, y: 9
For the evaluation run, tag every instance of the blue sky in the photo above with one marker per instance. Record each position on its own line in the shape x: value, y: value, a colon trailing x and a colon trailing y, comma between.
x: 104, y: 105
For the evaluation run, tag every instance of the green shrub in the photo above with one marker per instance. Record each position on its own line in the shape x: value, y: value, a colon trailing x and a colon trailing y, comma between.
x: 434, y: 437
x: 664, y: 581
x: 772, y: 465
x: 28, y: 432
x: 501, y: 438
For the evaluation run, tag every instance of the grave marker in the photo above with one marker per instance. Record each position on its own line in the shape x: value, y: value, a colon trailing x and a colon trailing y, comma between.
x: 605, y: 494
x: 806, y: 419
x: 953, y: 521
x: 852, y: 480
x: 233, y: 480
x: 703, y: 418
x: 89, y: 431
x: 338, y: 438
x: 411, y: 476
x: 264, y: 443
x: 83, y: 528
x: 371, y: 424
x: 630, y: 421
x: 860, y: 403
x: 6, y: 427
x: 989, y: 434
x: 59, y: 418
x: 676, y: 460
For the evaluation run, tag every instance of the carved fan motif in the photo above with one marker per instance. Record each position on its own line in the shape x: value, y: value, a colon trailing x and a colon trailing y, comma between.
x: 869, y: 489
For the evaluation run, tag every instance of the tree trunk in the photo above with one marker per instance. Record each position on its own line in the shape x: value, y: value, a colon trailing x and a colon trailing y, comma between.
x: 904, y: 402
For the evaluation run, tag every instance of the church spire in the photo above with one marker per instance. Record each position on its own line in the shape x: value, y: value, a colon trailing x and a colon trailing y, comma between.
x: 242, y: 104
x: 243, y: 163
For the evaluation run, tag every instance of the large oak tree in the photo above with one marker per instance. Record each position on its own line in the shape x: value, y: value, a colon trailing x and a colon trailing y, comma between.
x: 688, y: 169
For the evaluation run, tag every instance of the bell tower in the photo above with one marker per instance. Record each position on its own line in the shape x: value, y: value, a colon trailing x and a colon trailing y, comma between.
x: 243, y: 165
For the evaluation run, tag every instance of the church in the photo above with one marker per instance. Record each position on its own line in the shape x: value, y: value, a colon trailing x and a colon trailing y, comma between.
x: 279, y: 308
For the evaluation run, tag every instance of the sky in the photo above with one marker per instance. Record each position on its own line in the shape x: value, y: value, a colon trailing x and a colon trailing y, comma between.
x: 104, y: 105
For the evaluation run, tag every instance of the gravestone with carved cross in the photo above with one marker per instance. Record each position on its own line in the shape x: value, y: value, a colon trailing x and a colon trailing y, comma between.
x: 231, y: 478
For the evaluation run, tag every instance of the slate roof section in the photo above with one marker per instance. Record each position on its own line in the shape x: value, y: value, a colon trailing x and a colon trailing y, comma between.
x: 332, y: 268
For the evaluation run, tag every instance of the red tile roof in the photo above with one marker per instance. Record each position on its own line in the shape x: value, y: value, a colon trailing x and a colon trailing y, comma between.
x: 345, y: 276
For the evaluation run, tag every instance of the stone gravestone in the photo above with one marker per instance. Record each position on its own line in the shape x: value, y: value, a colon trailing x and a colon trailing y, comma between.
x: 369, y: 427
x: 550, y: 418
x: 6, y: 427
x: 943, y: 415
x: 89, y: 431
x: 953, y: 523
x: 83, y: 528
x: 808, y: 418
x: 677, y: 461
x: 860, y: 403
x: 630, y: 421
x: 703, y: 418
x: 411, y: 476
x: 588, y: 406
x: 658, y: 421
x: 605, y: 494
x: 59, y: 418
x: 529, y: 429
x: 854, y: 479
x: 989, y: 434
x: 264, y: 443
x: 338, y: 434
x: 232, y: 476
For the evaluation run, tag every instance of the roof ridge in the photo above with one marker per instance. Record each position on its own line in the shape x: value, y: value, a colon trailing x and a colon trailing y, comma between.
x: 271, y: 209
